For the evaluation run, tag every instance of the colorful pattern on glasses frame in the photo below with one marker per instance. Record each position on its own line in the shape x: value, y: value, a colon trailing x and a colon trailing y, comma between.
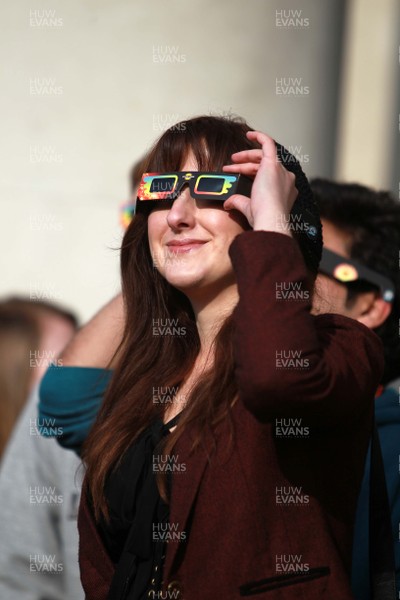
x: 203, y: 185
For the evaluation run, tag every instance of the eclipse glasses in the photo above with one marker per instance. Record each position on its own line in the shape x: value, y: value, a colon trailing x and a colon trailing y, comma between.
x: 348, y: 271
x: 203, y: 185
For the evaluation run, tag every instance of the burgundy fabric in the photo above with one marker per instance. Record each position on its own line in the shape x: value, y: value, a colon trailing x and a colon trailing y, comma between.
x: 97, y: 568
x: 236, y: 533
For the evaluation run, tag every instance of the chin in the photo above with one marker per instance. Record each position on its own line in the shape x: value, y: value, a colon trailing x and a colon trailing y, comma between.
x: 184, y: 282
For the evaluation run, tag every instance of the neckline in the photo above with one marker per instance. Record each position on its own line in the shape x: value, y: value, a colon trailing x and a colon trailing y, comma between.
x: 172, y: 422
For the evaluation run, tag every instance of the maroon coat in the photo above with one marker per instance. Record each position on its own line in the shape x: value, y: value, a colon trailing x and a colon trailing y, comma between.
x: 274, y: 517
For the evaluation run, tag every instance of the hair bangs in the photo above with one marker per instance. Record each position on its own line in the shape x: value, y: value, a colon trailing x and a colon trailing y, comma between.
x: 211, y: 140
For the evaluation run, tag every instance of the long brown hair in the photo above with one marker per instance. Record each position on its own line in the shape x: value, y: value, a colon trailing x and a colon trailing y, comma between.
x: 146, y: 362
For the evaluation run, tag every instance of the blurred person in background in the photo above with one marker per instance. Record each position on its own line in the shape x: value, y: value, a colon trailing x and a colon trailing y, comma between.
x: 127, y: 207
x: 39, y: 497
x: 360, y: 278
x: 30, y: 332
x: 19, y: 333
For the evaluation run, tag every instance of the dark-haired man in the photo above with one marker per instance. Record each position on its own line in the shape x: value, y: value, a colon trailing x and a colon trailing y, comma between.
x: 360, y: 278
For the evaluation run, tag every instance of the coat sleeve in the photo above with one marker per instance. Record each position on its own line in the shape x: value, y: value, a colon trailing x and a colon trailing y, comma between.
x: 70, y: 398
x: 288, y: 362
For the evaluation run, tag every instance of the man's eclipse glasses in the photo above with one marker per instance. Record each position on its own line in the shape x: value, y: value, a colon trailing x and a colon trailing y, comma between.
x: 348, y: 271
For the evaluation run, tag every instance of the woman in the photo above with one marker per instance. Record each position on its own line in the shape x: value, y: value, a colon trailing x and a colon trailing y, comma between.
x: 228, y: 453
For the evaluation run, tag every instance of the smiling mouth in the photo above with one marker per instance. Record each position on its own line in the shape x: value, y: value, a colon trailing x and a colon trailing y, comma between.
x: 182, y: 248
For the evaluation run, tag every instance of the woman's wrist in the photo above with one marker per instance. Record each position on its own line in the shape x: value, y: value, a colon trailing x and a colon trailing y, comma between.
x: 276, y: 222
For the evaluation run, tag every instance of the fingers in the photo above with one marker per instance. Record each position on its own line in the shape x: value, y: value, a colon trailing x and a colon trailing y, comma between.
x: 269, y: 151
x: 246, y: 162
x: 247, y: 156
x: 249, y: 160
x: 249, y: 169
x: 267, y: 143
x: 271, y: 180
x: 238, y: 202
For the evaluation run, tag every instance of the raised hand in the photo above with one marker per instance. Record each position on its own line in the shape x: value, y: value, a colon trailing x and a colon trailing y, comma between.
x: 273, y: 192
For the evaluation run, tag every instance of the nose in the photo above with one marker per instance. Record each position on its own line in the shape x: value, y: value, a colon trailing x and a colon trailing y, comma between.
x: 182, y: 211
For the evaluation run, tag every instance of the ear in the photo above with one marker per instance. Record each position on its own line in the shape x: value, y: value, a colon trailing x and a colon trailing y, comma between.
x: 375, y: 312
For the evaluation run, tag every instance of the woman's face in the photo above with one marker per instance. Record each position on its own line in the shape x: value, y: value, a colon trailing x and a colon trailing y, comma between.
x: 209, y: 230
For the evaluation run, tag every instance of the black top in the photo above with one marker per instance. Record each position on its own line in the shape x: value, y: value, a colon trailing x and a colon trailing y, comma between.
x: 137, y: 514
